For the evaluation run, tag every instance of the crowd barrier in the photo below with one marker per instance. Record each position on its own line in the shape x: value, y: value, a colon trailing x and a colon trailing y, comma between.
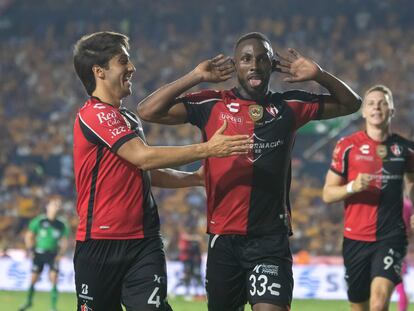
x: 315, y: 281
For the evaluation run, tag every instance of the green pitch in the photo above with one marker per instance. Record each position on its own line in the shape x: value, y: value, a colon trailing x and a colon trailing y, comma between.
x: 11, y: 301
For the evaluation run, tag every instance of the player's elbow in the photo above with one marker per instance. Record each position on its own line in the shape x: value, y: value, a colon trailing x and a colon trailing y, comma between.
x: 354, y: 105
x: 146, y: 113
x: 326, y: 198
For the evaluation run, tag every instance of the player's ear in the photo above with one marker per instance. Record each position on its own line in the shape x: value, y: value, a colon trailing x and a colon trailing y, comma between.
x: 98, y: 71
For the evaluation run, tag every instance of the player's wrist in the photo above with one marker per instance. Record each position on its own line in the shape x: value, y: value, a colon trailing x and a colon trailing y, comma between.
x: 350, y: 187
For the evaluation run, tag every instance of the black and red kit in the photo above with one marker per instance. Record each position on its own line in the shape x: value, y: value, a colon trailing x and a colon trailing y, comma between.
x: 249, y: 194
x: 114, y: 197
x: 376, y: 213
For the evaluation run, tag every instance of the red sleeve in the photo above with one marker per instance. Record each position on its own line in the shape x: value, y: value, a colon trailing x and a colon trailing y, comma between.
x: 306, y: 106
x: 199, y: 105
x: 102, y: 123
x: 339, y: 164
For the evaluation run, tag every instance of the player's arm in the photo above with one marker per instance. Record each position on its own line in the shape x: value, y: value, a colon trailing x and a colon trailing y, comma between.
x: 145, y: 157
x: 336, y: 189
x: 63, y: 247
x: 163, y: 106
x: 29, y: 241
x: 170, y: 178
x: 341, y: 101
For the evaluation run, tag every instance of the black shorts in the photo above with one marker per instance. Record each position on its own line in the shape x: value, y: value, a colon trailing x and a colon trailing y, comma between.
x: 365, y: 260
x: 111, y: 272
x: 242, y: 269
x: 40, y: 259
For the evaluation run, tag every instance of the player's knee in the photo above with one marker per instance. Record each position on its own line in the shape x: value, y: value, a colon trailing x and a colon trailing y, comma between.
x: 379, y: 302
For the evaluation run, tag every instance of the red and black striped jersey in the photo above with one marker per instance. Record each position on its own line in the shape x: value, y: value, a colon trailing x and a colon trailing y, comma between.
x: 376, y: 213
x: 249, y: 194
x: 114, y: 199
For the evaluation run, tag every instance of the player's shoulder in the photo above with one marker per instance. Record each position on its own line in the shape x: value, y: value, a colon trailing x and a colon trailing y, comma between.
x: 403, y: 140
x: 204, y: 96
x: 37, y: 219
x: 295, y: 96
x: 95, y: 107
x: 354, y: 139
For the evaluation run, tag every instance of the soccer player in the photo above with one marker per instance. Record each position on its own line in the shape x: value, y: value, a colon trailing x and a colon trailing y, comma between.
x: 119, y: 255
x: 248, y: 215
x: 46, y: 241
x: 367, y: 173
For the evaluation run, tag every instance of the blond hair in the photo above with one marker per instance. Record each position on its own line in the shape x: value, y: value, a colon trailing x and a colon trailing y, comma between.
x: 382, y: 88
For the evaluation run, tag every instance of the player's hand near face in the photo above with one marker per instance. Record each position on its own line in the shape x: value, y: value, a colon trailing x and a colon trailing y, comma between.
x: 217, y: 69
x: 297, y: 67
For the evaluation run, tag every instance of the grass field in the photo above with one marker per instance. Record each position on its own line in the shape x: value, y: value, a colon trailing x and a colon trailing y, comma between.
x: 10, y: 301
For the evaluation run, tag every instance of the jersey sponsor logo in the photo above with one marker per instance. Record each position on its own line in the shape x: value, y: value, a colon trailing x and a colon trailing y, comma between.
x: 231, y: 118
x: 267, y: 269
x: 233, y: 107
x: 396, y: 149
x: 85, y: 289
x: 255, y: 112
x: 382, y: 177
x: 359, y: 157
x: 261, y: 147
x: 364, y: 149
x: 109, y: 118
x: 271, y: 109
x: 118, y: 131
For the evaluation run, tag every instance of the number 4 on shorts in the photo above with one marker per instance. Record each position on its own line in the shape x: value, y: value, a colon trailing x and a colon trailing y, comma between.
x: 156, y: 301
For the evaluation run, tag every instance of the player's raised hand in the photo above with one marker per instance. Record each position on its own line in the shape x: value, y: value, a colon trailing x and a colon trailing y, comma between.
x: 362, y: 182
x: 297, y: 67
x: 221, y: 145
x: 217, y: 69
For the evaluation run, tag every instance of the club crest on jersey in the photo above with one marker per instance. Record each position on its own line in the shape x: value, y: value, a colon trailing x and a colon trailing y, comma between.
x: 396, y: 150
x: 271, y: 109
x: 255, y: 112
x: 233, y: 107
x: 382, y: 151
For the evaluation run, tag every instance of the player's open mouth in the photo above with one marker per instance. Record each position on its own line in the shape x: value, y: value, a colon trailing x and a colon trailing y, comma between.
x: 127, y: 79
x: 255, y: 82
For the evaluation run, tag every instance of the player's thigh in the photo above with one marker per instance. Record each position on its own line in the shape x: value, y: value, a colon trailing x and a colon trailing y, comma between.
x: 388, y: 260
x: 357, y: 260
x: 144, y: 287
x: 38, y: 263
x: 225, y: 278
x: 270, y: 278
x: 99, y: 272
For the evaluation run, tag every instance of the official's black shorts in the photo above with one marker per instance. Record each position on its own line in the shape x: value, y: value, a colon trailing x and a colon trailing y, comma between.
x: 111, y: 272
x: 366, y: 260
x: 242, y: 269
x: 40, y: 259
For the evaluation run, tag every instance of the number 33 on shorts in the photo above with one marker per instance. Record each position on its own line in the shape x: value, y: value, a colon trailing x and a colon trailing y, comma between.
x: 263, y: 281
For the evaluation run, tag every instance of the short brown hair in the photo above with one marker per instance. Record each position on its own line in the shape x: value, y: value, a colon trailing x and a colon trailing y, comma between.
x: 96, y: 49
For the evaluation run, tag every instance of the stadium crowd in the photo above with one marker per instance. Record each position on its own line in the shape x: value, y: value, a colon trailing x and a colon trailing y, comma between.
x: 364, y: 43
